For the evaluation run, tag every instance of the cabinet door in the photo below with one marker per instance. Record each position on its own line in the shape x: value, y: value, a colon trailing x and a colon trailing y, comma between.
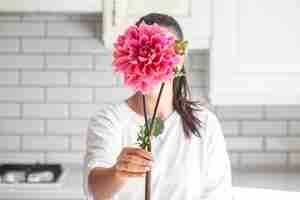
x: 255, y: 52
x: 192, y: 15
x: 51, y: 6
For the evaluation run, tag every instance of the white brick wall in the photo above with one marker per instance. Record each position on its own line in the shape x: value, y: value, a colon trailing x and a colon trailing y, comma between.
x: 45, y: 111
x: 22, y: 29
x: 64, y: 157
x: 55, y: 73
x: 21, y: 127
x: 244, y: 144
x: 83, y: 111
x: 10, y: 110
x: 21, y: 61
x: 283, y: 144
x: 9, y: 45
x: 67, y: 127
x: 44, y: 78
x: 86, y: 45
x: 230, y: 127
x: 264, y: 128
x: 67, y: 94
x: 21, y: 157
x: 45, y: 143
x: 294, y: 128
x: 45, y: 45
x: 21, y: 94
x: 258, y: 159
x: 9, y: 78
x: 240, y: 112
x: 70, y: 29
x: 60, y: 62
x: 93, y: 79
x: 9, y: 143
x: 115, y: 94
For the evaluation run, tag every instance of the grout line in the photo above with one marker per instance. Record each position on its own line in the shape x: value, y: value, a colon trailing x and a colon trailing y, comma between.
x: 21, y: 50
x: 288, y: 158
x: 45, y: 122
x: 45, y: 155
x: 45, y: 64
x: 240, y: 128
x: 94, y: 62
x: 46, y: 29
x: 264, y: 143
x: 45, y: 94
x: 264, y: 112
x: 70, y: 143
x: 288, y: 124
x: 239, y: 159
x: 69, y: 52
x: 21, y: 111
x: 69, y: 79
x: 93, y: 95
x: 21, y: 142
x: 69, y: 111
x: 20, y: 76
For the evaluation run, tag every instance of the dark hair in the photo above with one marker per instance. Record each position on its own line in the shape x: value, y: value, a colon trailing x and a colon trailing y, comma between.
x: 181, y: 89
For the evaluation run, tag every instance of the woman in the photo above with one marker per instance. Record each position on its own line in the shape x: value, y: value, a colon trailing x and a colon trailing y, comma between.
x: 189, y: 160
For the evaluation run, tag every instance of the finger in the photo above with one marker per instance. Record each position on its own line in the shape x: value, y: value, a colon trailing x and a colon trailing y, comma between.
x: 136, y: 160
x: 122, y: 153
x: 130, y: 174
x: 130, y: 167
x: 140, y: 152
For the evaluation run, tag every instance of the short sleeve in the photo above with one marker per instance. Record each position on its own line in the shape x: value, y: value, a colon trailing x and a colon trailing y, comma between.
x: 103, y: 143
x: 217, y: 170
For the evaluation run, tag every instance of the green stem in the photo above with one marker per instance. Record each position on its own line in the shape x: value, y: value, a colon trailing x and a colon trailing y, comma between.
x: 148, y: 174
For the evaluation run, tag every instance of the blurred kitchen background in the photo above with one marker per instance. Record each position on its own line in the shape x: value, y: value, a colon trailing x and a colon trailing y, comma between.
x: 55, y: 72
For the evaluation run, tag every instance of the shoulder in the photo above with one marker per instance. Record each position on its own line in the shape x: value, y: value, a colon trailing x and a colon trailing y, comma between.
x: 210, y: 123
x: 110, y: 112
x: 207, y: 116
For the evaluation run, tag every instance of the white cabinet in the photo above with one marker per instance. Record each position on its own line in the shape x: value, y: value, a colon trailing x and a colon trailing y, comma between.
x: 51, y: 6
x: 192, y: 15
x: 255, y: 52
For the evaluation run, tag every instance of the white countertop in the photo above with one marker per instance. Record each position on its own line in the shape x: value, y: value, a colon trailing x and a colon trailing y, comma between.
x: 247, y: 183
x: 268, y: 178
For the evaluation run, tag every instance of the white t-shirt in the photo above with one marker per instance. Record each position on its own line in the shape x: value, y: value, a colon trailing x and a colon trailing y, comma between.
x: 182, y: 170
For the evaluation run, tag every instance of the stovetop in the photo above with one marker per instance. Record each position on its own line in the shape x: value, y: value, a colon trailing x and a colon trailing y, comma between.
x: 30, y: 173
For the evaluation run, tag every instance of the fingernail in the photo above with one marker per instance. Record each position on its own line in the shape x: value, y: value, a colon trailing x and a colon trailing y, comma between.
x: 147, y: 168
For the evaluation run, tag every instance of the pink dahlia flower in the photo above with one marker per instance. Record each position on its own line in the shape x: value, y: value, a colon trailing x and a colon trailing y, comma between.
x: 145, y: 55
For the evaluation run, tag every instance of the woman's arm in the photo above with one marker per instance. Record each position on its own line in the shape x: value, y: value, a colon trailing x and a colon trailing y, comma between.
x: 103, y: 143
x: 104, y: 182
x: 132, y: 162
x: 107, y: 163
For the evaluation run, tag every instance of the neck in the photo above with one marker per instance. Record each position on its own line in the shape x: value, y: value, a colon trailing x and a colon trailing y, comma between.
x: 165, y: 106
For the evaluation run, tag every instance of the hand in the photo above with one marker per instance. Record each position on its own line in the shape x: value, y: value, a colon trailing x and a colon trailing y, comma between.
x: 133, y: 162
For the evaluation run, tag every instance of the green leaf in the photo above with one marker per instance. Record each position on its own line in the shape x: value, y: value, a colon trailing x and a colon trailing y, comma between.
x: 158, y: 126
x: 143, y: 136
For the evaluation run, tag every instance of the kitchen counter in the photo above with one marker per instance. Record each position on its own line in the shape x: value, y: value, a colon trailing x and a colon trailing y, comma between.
x: 275, y: 178
x: 69, y: 187
x: 255, y: 183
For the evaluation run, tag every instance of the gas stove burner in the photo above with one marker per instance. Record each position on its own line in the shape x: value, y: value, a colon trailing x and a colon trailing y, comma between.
x: 30, y: 173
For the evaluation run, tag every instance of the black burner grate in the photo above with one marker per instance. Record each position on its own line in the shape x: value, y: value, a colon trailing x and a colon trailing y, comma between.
x: 56, y: 169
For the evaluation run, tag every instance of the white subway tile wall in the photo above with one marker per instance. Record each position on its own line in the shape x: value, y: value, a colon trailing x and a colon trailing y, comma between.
x: 55, y: 73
